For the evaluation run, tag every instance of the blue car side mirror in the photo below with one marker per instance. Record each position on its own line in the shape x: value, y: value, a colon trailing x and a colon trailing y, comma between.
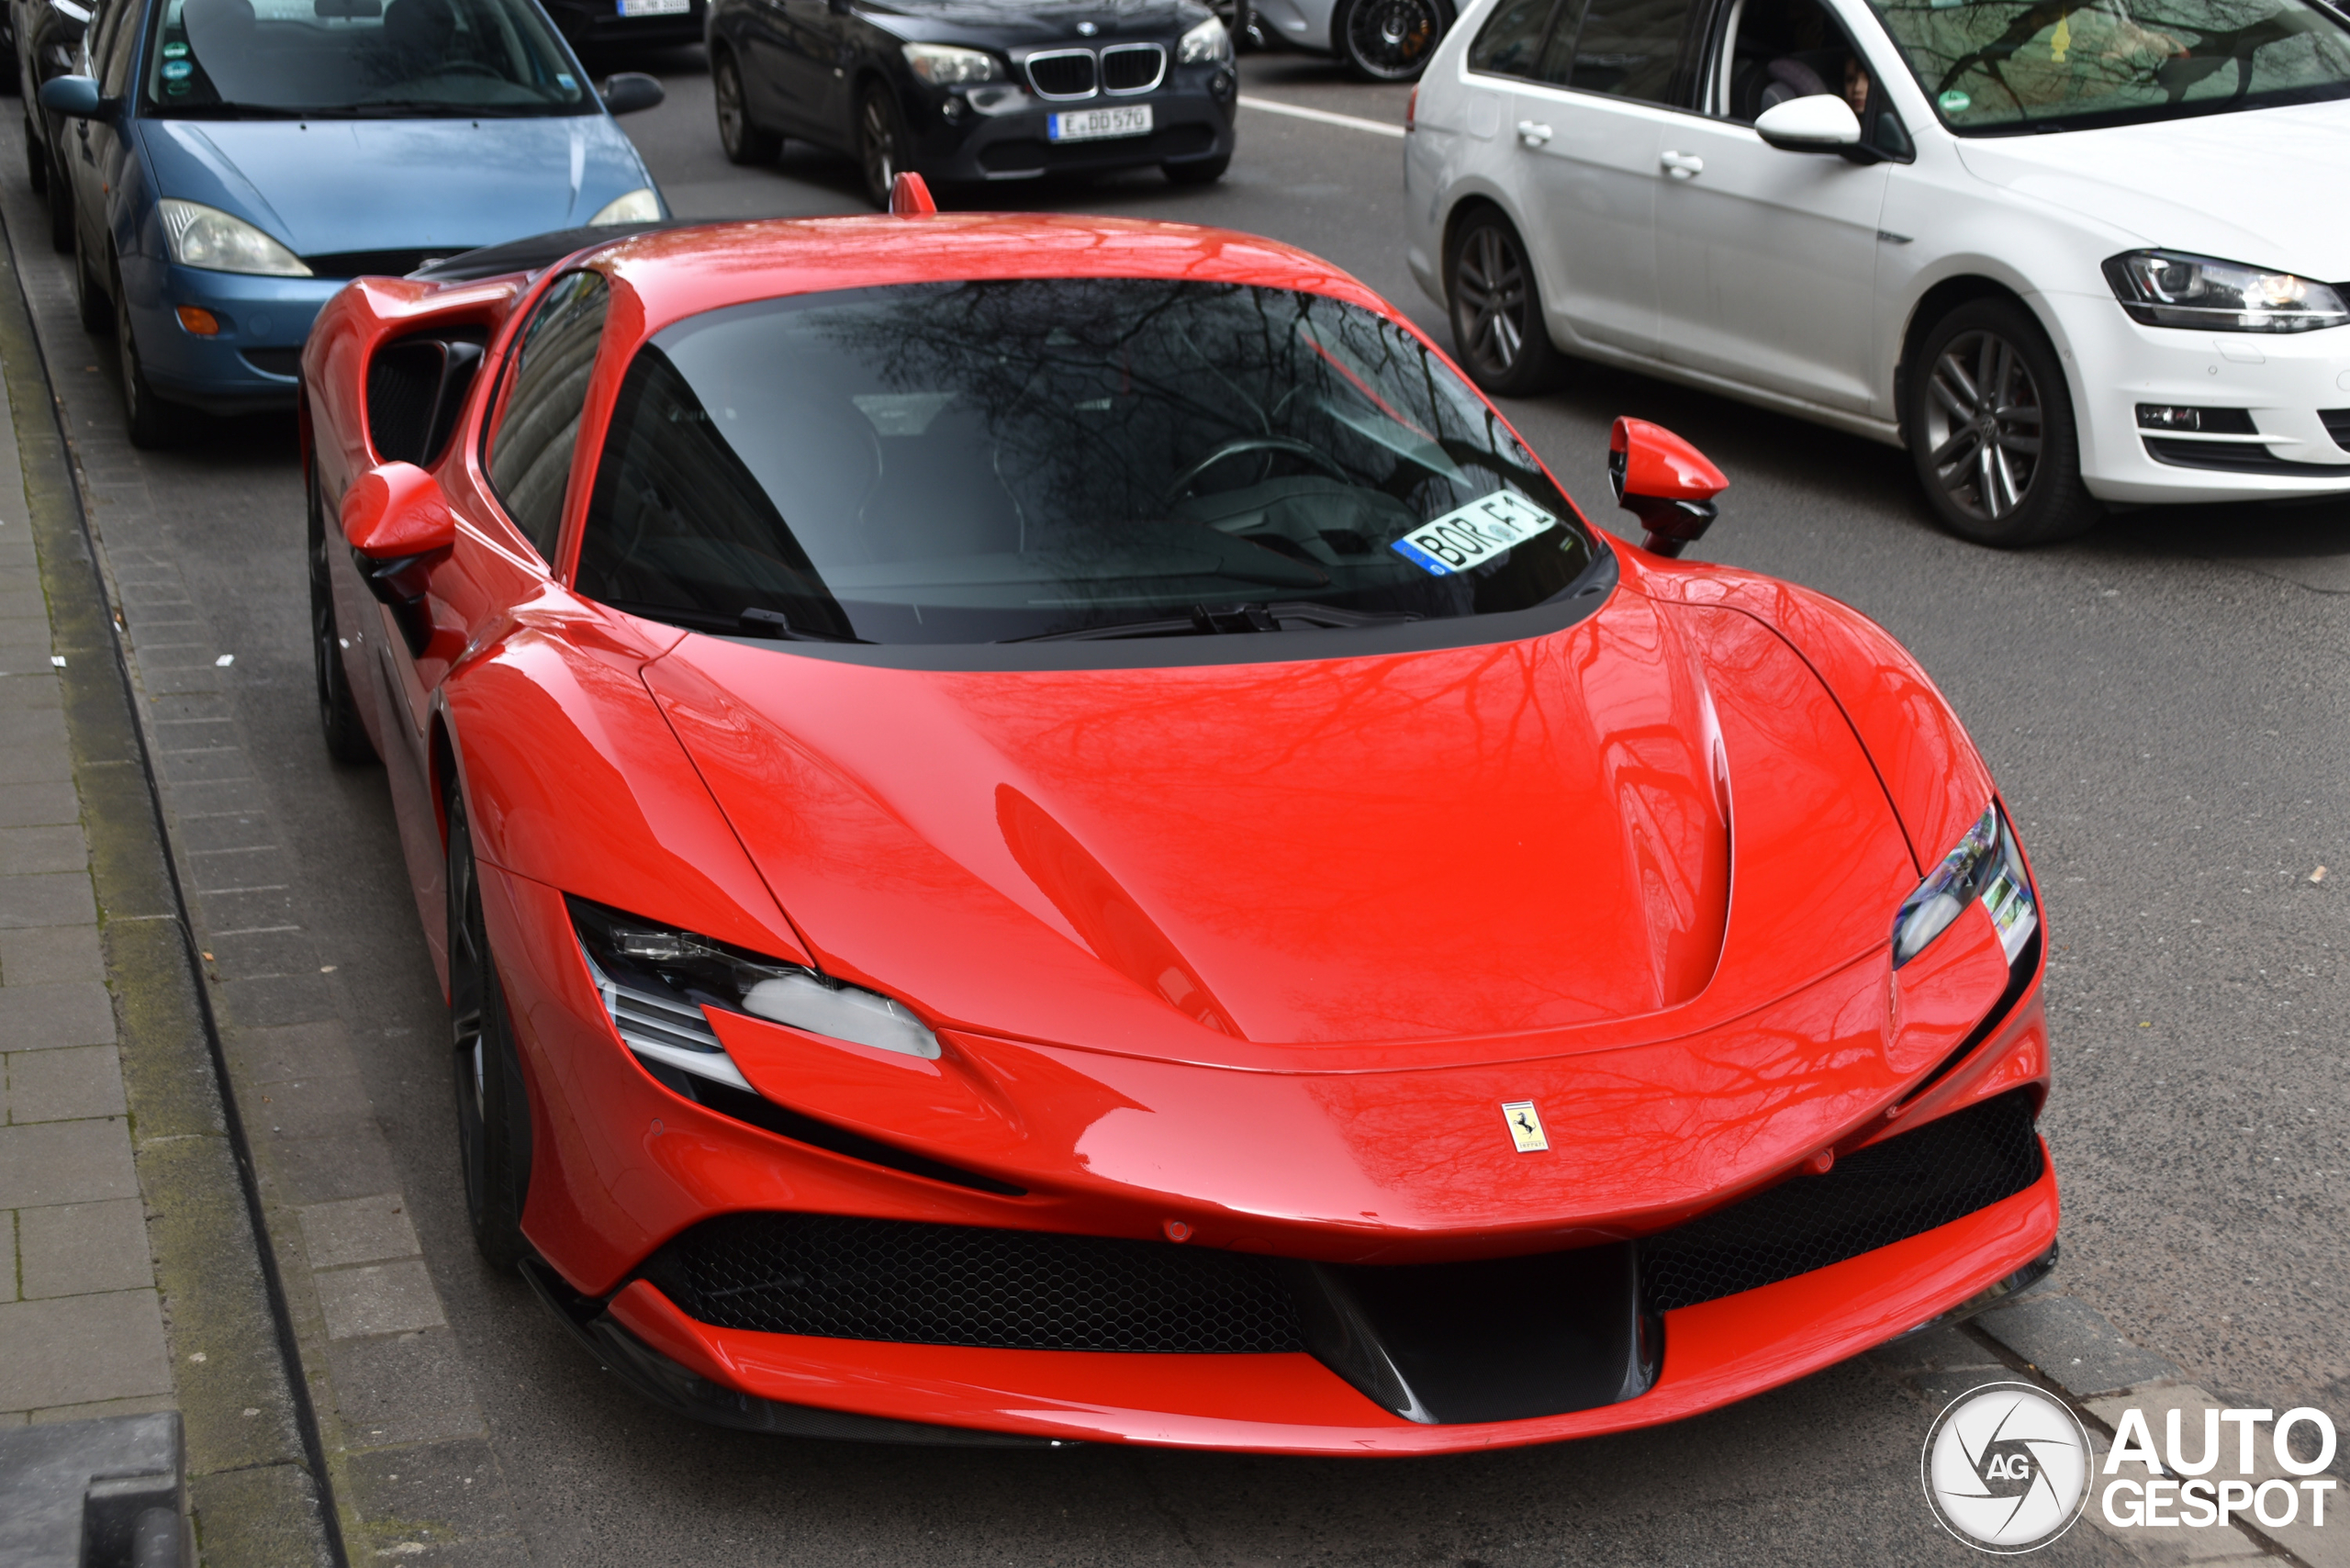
x: 75, y: 97
x: 625, y: 92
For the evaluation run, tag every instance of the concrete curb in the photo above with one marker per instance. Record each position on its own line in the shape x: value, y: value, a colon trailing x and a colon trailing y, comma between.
x: 254, y: 1465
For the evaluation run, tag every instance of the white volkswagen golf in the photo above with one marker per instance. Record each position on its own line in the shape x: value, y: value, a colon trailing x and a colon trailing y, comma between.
x: 2070, y: 253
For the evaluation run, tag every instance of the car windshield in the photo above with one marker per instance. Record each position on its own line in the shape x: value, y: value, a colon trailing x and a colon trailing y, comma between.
x: 1030, y: 459
x: 353, y: 59
x: 2023, y: 65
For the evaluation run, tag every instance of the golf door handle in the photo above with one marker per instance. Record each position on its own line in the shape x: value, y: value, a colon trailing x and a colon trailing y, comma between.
x: 1683, y: 165
x: 1532, y: 134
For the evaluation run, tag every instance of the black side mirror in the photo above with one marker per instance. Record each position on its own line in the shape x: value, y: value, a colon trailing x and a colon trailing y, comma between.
x: 75, y: 97
x: 625, y: 92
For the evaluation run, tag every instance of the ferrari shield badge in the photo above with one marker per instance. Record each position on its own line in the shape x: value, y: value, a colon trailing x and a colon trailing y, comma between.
x: 1525, y: 1125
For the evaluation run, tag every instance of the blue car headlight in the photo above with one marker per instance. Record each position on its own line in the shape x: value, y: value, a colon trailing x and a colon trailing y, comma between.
x: 1986, y: 865
x: 206, y: 236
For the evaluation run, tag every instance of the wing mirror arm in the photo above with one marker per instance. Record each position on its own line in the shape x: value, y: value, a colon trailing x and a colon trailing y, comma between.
x: 1663, y: 481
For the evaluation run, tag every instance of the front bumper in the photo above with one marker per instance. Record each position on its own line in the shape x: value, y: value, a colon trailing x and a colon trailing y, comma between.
x: 627, y: 1172
x: 253, y: 362
x: 2287, y: 383
x: 955, y: 143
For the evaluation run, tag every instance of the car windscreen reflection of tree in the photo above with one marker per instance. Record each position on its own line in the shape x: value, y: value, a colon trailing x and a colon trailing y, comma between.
x: 327, y: 57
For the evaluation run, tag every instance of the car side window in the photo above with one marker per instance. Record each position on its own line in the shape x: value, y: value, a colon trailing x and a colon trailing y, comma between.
x: 119, y: 49
x: 546, y: 392
x: 1624, y: 49
x: 1510, y: 43
x: 1771, y: 50
x: 98, y: 37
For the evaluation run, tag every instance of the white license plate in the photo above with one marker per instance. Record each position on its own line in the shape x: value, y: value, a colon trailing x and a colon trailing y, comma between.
x: 1093, y: 124
x: 656, y: 7
x: 1469, y: 536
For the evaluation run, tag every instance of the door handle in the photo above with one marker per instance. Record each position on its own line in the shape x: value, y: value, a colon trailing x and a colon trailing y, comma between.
x: 1532, y: 134
x: 1683, y: 165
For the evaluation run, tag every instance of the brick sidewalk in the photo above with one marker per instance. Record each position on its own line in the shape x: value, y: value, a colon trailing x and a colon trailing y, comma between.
x: 80, y: 1321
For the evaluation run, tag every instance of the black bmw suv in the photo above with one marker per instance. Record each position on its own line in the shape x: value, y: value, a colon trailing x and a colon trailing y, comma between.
x: 968, y: 91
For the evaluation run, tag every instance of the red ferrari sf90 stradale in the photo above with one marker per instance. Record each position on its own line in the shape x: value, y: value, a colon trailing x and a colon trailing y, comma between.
x: 1048, y: 829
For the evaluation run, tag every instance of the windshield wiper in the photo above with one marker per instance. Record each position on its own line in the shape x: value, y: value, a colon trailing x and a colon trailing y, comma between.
x: 1280, y: 615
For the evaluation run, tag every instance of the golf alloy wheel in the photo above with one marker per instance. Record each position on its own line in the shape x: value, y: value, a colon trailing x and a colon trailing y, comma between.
x: 1983, y: 425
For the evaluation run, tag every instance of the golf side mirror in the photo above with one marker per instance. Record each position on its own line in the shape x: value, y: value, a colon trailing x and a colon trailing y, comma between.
x: 1820, y: 123
x: 625, y: 92
x: 397, y: 513
x: 75, y: 97
x: 1663, y: 481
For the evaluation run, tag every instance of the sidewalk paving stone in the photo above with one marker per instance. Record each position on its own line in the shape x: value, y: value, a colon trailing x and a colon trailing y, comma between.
x: 75, y: 1350
x: 65, y: 1162
x: 44, y: 1017
x: 381, y: 1298
x: 56, y: 847
x: 51, y: 954
x: 360, y: 1230
x: 71, y: 1084
x: 83, y: 1249
x: 54, y: 899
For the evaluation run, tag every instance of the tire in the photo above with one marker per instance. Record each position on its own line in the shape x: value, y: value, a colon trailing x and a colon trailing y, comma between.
x: 1388, y: 40
x: 493, y: 1113
x: 1499, y: 331
x: 880, y: 143
x: 151, y: 422
x: 1991, y: 429
x: 743, y: 139
x: 35, y: 158
x: 1239, y: 19
x: 90, y: 301
x: 338, y: 721
x: 1201, y: 171
x: 60, y: 206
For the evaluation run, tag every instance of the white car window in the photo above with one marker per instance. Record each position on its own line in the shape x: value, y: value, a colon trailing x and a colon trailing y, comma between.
x: 1771, y: 50
x: 2011, y: 65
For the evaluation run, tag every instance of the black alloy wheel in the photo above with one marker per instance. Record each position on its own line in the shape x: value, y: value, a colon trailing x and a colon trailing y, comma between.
x: 493, y: 1114
x: 151, y: 422
x: 743, y: 139
x: 880, y: 143
x: 1990, y: 427
x: 338, y: 721
x: 1498, y: 333
x: 1390, y: 40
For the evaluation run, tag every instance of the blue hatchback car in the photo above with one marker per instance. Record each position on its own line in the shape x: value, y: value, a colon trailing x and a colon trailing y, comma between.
x: 234, y: 161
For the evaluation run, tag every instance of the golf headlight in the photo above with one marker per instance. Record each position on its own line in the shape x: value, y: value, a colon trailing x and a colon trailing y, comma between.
x: 206, y: 236
x: 640, y: 206
x: 1986, y: 865
x: 656, y: 980
x: 944, y: 65
x: 1204, y: 45
x: 2164, y: 288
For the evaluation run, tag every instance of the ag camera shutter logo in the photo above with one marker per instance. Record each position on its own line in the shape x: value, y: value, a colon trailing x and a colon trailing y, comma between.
x: 2005, y: 1468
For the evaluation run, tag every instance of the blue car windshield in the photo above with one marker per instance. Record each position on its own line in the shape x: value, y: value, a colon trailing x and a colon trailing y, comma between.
x: 359, y: 59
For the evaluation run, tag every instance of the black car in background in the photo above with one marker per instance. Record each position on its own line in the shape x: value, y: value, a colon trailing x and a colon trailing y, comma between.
x: 606, y: 28
x: 47, y: 42
x: 972, y: 91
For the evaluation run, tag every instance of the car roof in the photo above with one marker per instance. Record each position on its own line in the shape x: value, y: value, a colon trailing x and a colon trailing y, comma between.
x: 680, y: 271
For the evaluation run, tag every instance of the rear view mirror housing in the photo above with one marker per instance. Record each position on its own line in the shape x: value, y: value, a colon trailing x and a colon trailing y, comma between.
x: 1822, y: 122
x: 626, y: 92
x: 397, y: 513
x: 75, y: 97
x: 1663, y: 481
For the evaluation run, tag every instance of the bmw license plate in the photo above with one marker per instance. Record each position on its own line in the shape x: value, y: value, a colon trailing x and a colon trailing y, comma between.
x: 654, y: 7
x: 1095, y: 125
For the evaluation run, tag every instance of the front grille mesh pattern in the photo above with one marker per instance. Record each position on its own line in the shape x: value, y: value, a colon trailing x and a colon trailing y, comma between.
x: 940, y: 1284
x: 2337, y: 425
x: 1062, y: 75
x: 1902, y: 1187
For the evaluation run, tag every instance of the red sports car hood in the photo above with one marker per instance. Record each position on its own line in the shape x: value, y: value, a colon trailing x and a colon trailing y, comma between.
x: 1189, y: 862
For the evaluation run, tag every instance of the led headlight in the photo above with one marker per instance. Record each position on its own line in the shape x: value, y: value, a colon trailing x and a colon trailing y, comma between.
x: 945, y: 65
x: 655, y: 981
x: 1204, y: 45
x: 640, y: 206
x: 206, y: 236
x: 1985, y: 865
x: 2164, y: 288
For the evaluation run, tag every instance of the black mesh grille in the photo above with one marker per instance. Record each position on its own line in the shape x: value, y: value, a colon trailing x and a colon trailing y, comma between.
x: 1900, y: 1188
x: 403, y: 385
x: 2337, y: 425
x: 377, y: 263
x: 941, y: 1285
x: 276, y: 362
x: 1062, y: 75
x: 1130, y: 68
x: 2230, y: 457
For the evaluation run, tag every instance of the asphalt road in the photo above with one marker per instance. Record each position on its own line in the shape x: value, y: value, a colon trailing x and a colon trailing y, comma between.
x: 2166, y: 702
